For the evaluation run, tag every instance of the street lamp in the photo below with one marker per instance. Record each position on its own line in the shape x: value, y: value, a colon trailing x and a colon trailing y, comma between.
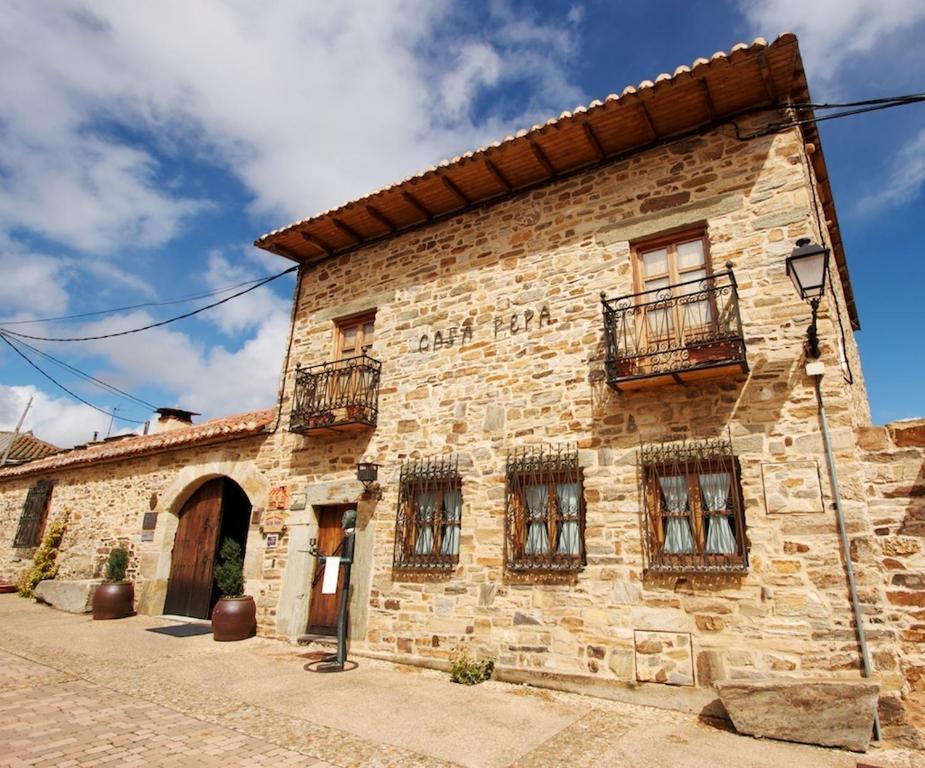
x: 807, y: 267
x: 368, y: 474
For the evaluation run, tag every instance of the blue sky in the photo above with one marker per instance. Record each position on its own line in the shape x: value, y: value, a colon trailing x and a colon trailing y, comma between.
x: 143, y: 146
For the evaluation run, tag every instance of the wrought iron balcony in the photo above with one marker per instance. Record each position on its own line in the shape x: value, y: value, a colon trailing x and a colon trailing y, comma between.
x: 680, y: 333
x: 338, y: 396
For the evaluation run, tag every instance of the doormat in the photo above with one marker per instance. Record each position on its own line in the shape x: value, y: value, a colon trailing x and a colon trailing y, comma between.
x: 183, y: 630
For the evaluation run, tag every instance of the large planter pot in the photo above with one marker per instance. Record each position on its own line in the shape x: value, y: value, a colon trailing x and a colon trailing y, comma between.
x: 114, y: 601
x: 234, y: 618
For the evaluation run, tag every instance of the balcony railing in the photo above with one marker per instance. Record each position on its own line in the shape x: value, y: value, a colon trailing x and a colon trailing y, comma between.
x: 678, y: 333
x: 338, y: 396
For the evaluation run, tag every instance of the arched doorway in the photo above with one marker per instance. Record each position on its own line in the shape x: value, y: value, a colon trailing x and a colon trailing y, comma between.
x: 218, y: 509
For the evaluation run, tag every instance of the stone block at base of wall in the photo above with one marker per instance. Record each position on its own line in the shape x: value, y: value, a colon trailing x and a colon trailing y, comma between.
x: 72, y: 596
x: 833, y: 713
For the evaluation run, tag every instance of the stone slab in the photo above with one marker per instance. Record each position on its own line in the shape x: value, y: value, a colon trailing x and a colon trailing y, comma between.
x: 833, y: 713
x: 74, y: 596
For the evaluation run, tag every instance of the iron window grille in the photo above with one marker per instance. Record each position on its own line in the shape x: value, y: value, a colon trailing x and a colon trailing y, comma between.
x: 694, y: 519
x: 544, y: 510
x: 429, y: 516
x: 339, y: 394
x: 34, y: 512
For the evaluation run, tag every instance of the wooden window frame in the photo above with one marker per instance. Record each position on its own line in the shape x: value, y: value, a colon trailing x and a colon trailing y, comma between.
x: 34, y: 515
x: 656, y: 516
x: 542, y: 467
x: 358, y: 321
x: 433, y: 475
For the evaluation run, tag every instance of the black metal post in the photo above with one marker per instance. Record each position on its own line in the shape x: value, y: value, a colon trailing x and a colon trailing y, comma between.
x: 811, y: 332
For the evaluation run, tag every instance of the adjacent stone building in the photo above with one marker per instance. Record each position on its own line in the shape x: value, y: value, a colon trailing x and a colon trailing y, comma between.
x: 578, y: 362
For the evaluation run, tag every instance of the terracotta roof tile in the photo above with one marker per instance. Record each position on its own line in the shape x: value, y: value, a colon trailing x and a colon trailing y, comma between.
x: 237, y: 425
x: 25, y: 447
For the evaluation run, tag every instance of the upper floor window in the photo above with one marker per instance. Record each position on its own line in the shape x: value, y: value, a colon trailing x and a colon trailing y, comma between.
x: 353, y: 335
x: 34, y: 512
x: 545, y: 511
x: 429, y: 515
x: 693, y: 507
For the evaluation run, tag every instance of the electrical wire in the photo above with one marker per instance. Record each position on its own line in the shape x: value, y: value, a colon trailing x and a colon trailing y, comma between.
x: 83, y: 374
x: 62, y: 387
x: 150, y: 325
x: 165, y: 302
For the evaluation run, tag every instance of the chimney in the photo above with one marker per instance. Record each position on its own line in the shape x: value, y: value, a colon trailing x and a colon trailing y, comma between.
x: 170, y: 419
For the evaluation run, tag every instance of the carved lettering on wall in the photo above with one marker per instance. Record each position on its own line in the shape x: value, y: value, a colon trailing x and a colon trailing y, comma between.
x: 504, y: 325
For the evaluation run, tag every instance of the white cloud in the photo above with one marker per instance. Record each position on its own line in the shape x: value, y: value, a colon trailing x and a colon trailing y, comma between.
x: 904, y: 182
x: 59, y: 421
x: 832, y: 32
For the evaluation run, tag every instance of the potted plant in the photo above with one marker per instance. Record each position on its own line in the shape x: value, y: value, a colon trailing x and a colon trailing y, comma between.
x: 235, y: 614
x: 713, y: 351
x: 115, y: 597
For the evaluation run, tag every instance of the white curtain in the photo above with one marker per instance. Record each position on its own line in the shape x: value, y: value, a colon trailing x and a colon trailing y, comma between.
x: 715, y: 491
x: 567, y: 499
x: 426, y: 503
x: 678, y: 538
x: 537, y: 498
x: 452, y: 513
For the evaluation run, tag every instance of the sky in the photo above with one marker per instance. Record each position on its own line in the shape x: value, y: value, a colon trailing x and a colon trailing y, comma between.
x: 144, y: 146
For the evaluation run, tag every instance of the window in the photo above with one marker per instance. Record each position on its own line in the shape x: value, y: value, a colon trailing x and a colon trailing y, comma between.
x: 671, y: 274
x: 354, y: 335
x: 545, y: 514
x: 34, y: 512
x: 693, y: 507
x: 429, y: 515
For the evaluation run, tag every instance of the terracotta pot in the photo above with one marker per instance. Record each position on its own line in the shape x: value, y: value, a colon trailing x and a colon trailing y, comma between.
x: 234, y: 618
x: 6, y: 588
x: 114, y: 601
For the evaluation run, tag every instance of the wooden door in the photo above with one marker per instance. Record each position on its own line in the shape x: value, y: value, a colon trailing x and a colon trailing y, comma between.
x: 189, y: 591
x: 322, y: 611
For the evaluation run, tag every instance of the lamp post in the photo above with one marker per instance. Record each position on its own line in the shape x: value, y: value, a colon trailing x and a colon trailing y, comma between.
x: 807, y: 267
x: 368, y: 474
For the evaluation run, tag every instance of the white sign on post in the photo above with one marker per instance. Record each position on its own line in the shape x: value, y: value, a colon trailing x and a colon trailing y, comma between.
x: 331, y: 571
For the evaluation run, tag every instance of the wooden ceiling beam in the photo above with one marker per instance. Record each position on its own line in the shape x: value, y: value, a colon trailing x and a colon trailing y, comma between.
x: 347, y: 229
x: 417, y: 204
x: 707, y: 98
x: 454, y: 188
x: 540, y: 155
x: 595, y: 143
x: 381, y: 218
x: 647, y: 119
x: 496, y: 174
x: 281, y: 250
x: 767, y: 78
x: 317, y: 242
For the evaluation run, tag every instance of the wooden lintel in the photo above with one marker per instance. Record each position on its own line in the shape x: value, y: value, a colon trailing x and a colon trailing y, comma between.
x: 415, y: 203
x: 707, y: 98
x: 766, y: 76
x: 496, y: 174
x: 595, y: 143
x: 381, y: 218
x: 540, y: 155
x: 647, y: 119
x: 347, y: 229
x: 454, y: 188
x: 317, y: 242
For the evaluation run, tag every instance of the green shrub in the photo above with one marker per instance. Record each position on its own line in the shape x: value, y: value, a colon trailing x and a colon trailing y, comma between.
x: 44, y: 564
x: 468, y: 671
x: 229, y: 573
x: 116, y: 565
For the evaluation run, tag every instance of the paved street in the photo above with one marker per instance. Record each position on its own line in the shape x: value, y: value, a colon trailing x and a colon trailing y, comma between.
x: 74, y: 692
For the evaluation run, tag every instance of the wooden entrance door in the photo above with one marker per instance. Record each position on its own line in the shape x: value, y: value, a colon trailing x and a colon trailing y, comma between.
x: 322, y: 611
x: 189, y: 591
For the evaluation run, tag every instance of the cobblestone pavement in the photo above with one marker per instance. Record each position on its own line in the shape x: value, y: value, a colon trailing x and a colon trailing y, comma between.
x: 74, y: 692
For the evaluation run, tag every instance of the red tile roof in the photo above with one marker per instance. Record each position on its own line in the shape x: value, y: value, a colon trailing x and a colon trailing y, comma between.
x: 25, y: 447
x: 216, y: 430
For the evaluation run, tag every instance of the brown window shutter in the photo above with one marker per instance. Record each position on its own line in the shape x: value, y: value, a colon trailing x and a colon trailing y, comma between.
x: 34, y: 511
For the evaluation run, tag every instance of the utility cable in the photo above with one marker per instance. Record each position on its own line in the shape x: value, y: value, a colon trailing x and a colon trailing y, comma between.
x: 83, y: 374
x: 150, y: 325
x: 165, y: 302
x: 65, y: 389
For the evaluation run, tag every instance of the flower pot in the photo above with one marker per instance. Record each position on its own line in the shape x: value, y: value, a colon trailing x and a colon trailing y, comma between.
x: 234, y: 618
x: 114, y: 601
x: 711, y: 352
x: 6, y: 588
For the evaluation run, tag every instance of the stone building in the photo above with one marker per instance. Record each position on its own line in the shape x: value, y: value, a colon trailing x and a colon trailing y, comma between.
x: 577, y: 360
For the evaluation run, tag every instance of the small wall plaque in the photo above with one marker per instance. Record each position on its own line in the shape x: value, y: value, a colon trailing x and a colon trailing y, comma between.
x: 147, y: 535
x: 272, y: 540
x: 278, y: 497
x: 149, y: 521
x: 256, y: 515
x: 273, y: 521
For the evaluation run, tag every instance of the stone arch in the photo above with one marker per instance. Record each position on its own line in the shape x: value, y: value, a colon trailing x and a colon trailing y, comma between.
x: 155, y: 560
